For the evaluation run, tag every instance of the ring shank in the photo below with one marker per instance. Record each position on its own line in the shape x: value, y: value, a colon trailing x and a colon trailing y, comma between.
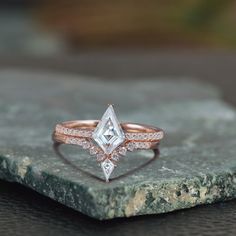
x: 80, y: 132
x: 138, y: 135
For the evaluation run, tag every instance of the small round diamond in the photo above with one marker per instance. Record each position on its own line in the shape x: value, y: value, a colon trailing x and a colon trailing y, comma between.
x: 160, y: 135
x: 87, y: 133
x: 93, y: 150
x: 80, y: 141
x: 73, y: 140
x: 131, y: 136
x: 131, y: 147
x: 144, y: 145
x: 101, y: 156
x: 145, y: 136
x: 151, y: 136
x: 76, y: 132
x: 59, y: 129
x: 81, y: 133
x: 69, y: 131
x: 137, y: 145
x: 140, y: 137
x: 122, y: 151
x: 85, y: 144
x: 115, y: 156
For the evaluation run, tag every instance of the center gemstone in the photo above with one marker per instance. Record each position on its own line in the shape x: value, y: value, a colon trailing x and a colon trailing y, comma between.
x: 108, y: 133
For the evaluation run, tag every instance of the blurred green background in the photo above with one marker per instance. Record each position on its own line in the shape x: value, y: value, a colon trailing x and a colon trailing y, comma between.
x: 156, y: 23
x: 48, y: 27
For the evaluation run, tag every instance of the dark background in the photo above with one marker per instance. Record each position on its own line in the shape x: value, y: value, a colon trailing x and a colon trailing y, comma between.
x: 192, y: 39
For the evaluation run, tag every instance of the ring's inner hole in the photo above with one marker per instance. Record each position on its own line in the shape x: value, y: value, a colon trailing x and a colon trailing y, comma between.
x: 80, y: 160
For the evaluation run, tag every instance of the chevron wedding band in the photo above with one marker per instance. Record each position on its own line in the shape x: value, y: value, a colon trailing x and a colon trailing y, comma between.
x: 107, y: 139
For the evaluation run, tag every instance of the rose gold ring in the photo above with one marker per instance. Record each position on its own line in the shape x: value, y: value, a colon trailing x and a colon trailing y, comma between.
x: 107, y: 139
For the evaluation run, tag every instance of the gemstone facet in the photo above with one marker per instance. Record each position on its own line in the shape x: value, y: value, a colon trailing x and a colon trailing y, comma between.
x: 108, y: 133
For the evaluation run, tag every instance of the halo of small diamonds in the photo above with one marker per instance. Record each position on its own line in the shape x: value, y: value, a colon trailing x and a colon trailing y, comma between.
x: 74, y: 132
x: 144, y: 136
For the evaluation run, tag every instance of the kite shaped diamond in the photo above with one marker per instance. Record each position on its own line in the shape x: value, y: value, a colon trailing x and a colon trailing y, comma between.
x: 107, y: 167
x: 108, y: 133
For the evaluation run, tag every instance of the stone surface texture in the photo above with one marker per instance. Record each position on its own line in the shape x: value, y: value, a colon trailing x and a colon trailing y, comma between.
x: 197, y: 162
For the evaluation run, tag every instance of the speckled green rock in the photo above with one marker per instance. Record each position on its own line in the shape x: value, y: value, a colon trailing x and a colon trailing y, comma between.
x: 197, y: 163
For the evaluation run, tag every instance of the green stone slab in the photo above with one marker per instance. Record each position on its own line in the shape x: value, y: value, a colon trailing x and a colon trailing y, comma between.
x: 197, y: 162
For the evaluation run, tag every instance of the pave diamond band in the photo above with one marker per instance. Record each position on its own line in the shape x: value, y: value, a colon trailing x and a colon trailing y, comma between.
x: 73, y: 128
x: 107, y: 139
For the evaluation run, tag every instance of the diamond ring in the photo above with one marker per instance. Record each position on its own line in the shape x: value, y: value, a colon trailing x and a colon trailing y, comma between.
x: 107, y: 139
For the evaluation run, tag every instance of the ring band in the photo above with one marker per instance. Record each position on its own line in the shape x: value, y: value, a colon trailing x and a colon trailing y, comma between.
x: 107, y: 139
